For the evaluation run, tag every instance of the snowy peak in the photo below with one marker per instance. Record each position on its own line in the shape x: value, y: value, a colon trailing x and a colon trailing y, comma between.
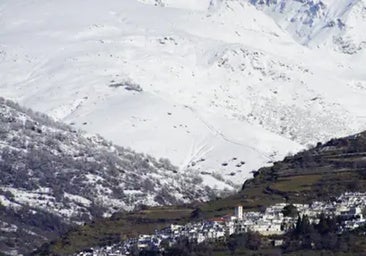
x: 315, y: 23
x: 338, y: 24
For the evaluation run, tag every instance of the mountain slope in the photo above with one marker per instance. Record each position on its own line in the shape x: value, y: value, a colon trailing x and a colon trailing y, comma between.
x: 53, y: 177
x: 210, y: 85
x: 318, y: 174
x: 329, y: 23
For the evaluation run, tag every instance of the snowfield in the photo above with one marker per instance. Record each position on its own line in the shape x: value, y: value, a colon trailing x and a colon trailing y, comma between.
x: 221, y: 86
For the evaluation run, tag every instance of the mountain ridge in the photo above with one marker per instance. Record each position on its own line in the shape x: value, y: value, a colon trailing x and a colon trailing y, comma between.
x: 53, y: 177
x: 321, y: 23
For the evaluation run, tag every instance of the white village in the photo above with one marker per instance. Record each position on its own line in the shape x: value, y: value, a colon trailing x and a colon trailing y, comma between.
x: 349, y: 207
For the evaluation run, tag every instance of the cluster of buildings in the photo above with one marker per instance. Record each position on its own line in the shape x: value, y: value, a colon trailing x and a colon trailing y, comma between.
x: 349, y: 207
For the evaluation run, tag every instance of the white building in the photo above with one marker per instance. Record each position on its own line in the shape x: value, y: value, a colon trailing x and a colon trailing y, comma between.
x: 239, y: 212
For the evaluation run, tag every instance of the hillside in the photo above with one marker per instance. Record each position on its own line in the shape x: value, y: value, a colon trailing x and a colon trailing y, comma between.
x: 53, y: 177
x: 221, y: 86
x: 320, y: 173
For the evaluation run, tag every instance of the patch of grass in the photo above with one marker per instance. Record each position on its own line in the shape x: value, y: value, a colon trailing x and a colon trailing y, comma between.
x: 296, y: 183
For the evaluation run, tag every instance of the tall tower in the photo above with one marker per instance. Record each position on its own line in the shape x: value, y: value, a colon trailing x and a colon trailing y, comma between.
x: 239, y: 212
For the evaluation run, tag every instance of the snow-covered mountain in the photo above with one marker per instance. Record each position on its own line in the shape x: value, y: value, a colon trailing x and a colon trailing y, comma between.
x: 52, y: 177
x: 220, y: 86
x: 321, y: 23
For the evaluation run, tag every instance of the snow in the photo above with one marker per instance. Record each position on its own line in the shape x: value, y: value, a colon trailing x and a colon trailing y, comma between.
x: 331, y: 23
x: 7, y: 203
x: 7, y: 227
x: 219, y: 79
x: 194, y: 5
x: 45, y: 201
x: 78, y: 199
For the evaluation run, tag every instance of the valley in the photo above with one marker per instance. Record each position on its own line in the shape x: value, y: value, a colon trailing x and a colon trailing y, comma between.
x: 120, y: 117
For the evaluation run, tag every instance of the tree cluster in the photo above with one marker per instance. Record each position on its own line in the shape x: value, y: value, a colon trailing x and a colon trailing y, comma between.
x: 310, y: 236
